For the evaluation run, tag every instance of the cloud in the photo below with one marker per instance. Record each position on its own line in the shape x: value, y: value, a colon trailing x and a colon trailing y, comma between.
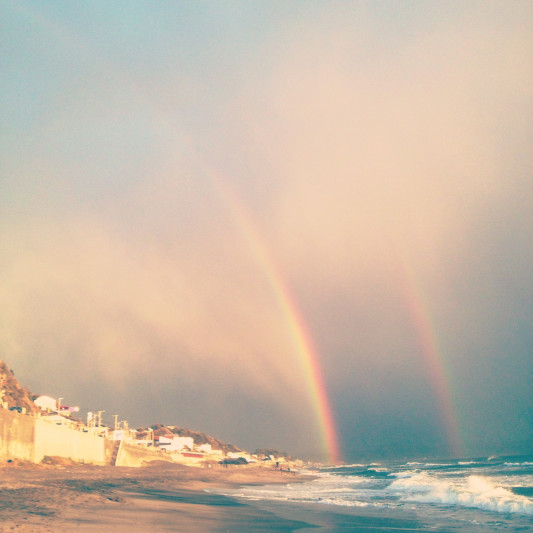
x: 119, y: 308
x: 359, y: 144
x: 390, y: 148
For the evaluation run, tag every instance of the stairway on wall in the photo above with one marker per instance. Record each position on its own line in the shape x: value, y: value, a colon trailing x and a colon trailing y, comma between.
x: 114, y: 455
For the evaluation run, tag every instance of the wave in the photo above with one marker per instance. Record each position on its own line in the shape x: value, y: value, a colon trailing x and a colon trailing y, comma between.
x: 429, y: 465
x: 342, y: 502
x: 329, y: 490
x: 404, y: 474
x: 475, y: 491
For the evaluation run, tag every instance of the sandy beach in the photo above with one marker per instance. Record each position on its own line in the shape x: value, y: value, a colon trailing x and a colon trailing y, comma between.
x: 159, y: 497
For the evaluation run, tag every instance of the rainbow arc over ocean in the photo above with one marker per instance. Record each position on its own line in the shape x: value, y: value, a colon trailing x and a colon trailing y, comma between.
x: 426, y: 331
x: 416, y: 303
x: 301, y: 337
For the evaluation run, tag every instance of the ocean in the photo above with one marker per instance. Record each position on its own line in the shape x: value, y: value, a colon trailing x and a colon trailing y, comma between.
x: 470, y: 495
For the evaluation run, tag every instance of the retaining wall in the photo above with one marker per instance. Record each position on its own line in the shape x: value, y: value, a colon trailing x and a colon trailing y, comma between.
x: 133, y: 455
x: 28, y: 438
x: 17, y: 436
x: 61, y: 441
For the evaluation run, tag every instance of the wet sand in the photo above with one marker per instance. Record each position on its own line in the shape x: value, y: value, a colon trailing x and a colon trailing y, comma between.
x: 162, y: 497
x: 169, y: 497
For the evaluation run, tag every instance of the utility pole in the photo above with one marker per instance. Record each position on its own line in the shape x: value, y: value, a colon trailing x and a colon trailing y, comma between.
x: 100, y: 418
x: 116, y: 421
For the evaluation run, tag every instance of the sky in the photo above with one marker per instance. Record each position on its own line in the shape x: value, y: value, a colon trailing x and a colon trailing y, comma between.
x: 276, y: 222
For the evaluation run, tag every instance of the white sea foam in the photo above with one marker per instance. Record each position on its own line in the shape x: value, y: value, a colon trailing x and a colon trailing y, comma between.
x: 419, y: 464
x: 326, y: 489
x: 475, y: 491
x: 405, y: 473
x: 508, y: 481
x: 343, y: 502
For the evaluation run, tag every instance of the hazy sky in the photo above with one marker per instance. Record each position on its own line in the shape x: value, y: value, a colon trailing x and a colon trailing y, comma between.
x: 379, y: 153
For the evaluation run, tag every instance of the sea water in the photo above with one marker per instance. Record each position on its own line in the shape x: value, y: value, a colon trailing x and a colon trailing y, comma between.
x: 470, y: 495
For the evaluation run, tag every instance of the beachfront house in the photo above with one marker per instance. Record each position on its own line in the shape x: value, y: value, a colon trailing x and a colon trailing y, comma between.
x: 45, y: 403
x: 176, y: 444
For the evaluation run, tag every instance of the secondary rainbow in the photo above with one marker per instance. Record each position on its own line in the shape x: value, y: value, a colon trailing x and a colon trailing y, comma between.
x: 427, y: 336
x: 302, y: 340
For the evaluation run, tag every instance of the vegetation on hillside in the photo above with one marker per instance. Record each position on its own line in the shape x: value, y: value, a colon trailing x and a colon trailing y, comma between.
x: 14, y: 395
x: 267, y: 452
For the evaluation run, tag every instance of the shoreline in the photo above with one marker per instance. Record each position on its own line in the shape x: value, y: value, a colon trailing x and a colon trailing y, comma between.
x: 168, y: 497
x: 162, y: 497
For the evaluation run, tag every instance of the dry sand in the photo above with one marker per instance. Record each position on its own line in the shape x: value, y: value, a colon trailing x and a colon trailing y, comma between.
x: 159, y: 497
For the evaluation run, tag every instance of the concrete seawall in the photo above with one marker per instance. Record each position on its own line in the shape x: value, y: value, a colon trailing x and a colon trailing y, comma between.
x: 132, y: 455
x: 17, y: 436
x: 54, y: 440
x: 30, y: 439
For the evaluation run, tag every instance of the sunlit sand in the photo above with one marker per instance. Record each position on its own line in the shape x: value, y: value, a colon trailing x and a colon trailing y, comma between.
x: 161, y: 497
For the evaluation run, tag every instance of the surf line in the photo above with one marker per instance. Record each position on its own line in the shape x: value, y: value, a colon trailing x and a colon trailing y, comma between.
x: 301, y: 337
x: 433, y: 358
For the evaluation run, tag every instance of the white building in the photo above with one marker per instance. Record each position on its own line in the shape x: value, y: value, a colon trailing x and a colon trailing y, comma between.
x: 176, y: 444
x: 45, y: 403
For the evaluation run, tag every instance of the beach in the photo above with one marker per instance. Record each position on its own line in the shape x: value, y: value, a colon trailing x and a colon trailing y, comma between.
x: 162, y: 496
x: 159, y: 497
x: 168, y: 497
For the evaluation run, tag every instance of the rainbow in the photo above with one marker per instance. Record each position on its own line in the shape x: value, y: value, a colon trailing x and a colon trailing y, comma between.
x: 420, y: 313
x: 302, y: 340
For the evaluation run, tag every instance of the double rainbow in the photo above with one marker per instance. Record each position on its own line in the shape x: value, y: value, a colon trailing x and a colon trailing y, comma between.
x: 302, y: 340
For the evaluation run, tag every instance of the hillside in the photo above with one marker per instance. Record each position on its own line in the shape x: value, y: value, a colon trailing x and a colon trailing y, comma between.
x: 13, y: 393
x: 199, y: 438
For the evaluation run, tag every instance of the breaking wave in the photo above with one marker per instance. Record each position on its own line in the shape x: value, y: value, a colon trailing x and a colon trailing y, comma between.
x: 475, y: 491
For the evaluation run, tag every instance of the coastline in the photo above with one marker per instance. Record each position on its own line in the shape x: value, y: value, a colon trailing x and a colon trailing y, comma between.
x: 158, y: 497
x: 167, y: 497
